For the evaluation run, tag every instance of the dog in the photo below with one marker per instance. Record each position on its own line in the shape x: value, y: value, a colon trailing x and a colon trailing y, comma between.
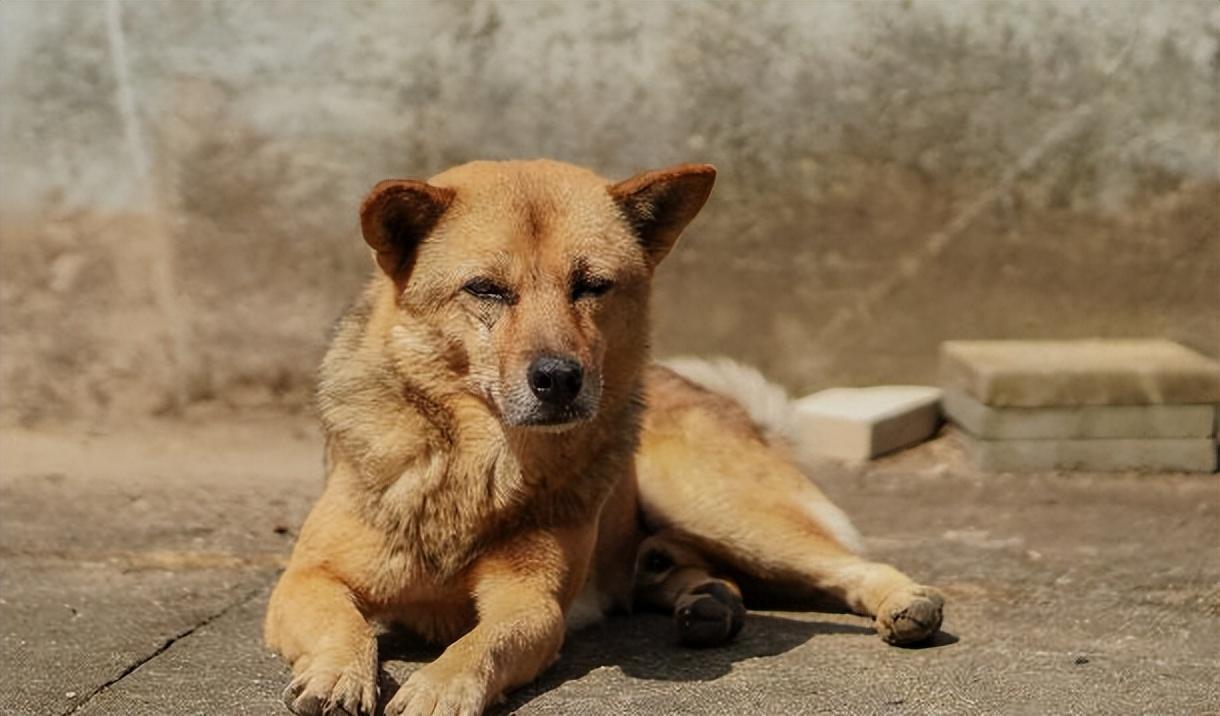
x: 504, y: 463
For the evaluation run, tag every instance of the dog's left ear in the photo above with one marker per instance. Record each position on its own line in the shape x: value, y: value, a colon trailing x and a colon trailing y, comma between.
x: 659, y: 204
x: 396, y: 216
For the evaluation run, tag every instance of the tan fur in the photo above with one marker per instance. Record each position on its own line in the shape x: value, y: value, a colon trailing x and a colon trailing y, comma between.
x: 460, y: 506
x: 712, y: 482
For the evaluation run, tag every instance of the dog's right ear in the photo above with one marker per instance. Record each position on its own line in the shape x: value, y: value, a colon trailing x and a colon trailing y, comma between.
x: 396, y: 216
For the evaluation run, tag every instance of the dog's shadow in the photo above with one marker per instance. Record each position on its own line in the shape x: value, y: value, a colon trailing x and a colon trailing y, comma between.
x: 642, y: 646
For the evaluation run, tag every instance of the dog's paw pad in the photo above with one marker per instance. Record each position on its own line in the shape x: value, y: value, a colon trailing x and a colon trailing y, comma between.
x: 710, y: 614
x: 910, y: 615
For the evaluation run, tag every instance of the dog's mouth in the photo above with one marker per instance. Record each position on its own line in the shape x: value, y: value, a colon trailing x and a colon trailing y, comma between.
x: 553, y: 420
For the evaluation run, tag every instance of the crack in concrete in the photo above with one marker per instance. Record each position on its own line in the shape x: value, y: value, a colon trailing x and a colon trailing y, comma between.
x: 164, y: 647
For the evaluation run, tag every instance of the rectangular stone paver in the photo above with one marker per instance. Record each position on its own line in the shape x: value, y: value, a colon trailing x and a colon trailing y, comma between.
x: 1153, y: 455
x: 861, y: 423
x: 1084, y: 421
x: 1086, y: 372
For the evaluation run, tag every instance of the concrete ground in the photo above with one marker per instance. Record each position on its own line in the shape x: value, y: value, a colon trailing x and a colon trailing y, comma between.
x: 137, y: 561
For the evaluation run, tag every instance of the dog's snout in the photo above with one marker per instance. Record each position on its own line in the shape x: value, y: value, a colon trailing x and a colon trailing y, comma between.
x: 555, y: 380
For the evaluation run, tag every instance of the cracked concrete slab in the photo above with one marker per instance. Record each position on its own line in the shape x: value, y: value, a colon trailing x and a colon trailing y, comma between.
x: 1080, y: 593
x: 115, y: 542
x: 220, y: 668
x: 67, y: 629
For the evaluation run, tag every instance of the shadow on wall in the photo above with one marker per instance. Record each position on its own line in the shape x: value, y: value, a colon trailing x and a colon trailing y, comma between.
x: 890, y: 176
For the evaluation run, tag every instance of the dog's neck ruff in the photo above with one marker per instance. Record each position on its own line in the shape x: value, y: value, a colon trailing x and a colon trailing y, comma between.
x: 433, y: 468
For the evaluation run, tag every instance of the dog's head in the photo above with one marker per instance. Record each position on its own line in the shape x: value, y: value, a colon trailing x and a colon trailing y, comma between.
x: 531, y: 278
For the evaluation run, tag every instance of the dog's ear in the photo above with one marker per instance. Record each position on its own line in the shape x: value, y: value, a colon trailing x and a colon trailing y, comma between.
x: 396, y: 216
x: 659, y: 204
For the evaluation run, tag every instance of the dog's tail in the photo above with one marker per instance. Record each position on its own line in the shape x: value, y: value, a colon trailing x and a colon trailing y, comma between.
x: 773, y: 411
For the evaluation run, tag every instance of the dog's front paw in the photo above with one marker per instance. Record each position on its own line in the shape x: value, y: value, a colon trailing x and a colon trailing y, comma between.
x: 322, y: 691
x: 910, y: 615
x: 434, y: 691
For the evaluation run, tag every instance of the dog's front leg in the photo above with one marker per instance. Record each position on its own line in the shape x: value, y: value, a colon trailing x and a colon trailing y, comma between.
x: 313, y: 621
x: 521, y: 591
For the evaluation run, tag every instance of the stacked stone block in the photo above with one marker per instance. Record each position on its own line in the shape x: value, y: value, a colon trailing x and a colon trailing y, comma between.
x: 1083, y: 405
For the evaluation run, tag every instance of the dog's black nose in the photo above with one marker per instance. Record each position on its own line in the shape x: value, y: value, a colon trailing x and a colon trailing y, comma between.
x: 556, y: 381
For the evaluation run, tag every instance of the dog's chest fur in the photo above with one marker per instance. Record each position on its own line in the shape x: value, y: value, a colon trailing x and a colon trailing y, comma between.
x: 437, y: 476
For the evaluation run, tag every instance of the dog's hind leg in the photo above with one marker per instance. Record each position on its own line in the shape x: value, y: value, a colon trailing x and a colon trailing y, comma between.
x: 710, y: 477
x: 671, y: 577
x: 770, y: 546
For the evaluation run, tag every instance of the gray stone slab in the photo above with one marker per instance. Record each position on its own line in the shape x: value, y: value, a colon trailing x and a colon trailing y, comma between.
x: 1097, y: 455
x: 1083, y: 421
x: 1088, y: 372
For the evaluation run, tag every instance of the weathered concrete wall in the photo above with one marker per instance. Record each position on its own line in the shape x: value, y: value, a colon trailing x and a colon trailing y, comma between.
x: 177, y: 212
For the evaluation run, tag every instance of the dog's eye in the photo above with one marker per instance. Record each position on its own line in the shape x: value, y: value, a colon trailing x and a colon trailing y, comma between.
x: 656, y: 561
x: 590, y: 287
x: 488, y: 290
